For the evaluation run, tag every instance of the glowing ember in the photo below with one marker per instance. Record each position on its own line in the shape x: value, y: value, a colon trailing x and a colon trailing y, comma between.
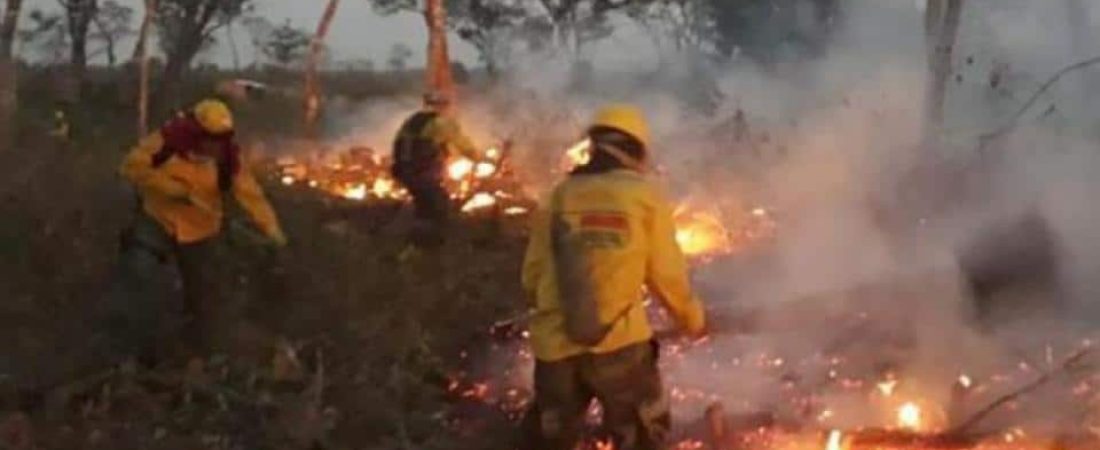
x: 759, y: 212
x: 910, y: 416
x: 484, y: 170
x: 480, y: 200
x: 515, y: 211
x: 460, y: 168
x: 965, y: 381
x: 701, y: 233
x: 492, y: 153
x: 836, y: 441
x: 287, y: 180
x: 356, y: 192
x: 383, y: 187
x: 887, y: 388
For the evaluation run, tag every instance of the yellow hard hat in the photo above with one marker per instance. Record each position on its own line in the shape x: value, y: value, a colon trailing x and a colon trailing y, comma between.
x: 214, y: 116
x: 628, y: 119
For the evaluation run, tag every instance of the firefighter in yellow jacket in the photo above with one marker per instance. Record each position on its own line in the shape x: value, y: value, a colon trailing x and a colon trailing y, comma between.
x: 420, y: 151
x: 607, y: 233
x: 182, y: 173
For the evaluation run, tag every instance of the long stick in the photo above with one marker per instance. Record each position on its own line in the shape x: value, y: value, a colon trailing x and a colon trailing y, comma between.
x: 967, y: 425
x: 1012, y: 123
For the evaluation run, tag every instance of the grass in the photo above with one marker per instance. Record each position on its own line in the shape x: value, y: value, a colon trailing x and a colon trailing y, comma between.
x: 374, y: 336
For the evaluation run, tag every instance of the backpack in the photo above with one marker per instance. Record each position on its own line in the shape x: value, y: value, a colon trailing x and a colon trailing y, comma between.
x: 414, y: 155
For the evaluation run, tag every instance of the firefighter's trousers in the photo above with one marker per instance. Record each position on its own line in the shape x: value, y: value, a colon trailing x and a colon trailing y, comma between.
x: 627, y: 384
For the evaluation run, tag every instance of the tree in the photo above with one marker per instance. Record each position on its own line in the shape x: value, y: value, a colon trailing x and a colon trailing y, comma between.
x: 941, y: 23
x: 185, y: 28
x: 486, y: 24
x: 312, y: 102
x: 8, y: 94
x: 438, y: 70
x: 399, y: 57
x: 759, y: 29
x: 79, y: 15
x: 47, y: 35
x: 489, y: 26
x: 576, y: 23
x: 285, y: 44
x: 675, y: 24
x: 141, y: 57
x: 112, y: 24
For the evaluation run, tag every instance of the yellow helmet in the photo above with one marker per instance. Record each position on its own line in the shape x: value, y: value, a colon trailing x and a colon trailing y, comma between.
x: 214, y: 116
x: 628, y: 119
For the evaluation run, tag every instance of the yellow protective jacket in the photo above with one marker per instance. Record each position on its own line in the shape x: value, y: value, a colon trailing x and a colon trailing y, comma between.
x: 183, y: 194
x: 445, y: 132
x: 624, y: 209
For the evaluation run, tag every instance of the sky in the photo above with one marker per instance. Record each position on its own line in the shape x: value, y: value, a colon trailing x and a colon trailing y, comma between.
x: 357, y: 32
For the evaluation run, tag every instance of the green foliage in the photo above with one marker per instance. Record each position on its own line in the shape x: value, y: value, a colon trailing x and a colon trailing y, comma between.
x: 187, y: 26
x: 286, y: 44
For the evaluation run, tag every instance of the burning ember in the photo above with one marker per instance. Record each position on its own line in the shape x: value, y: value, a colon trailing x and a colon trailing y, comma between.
x: 701, y: 232
x: 910, y: 417
x: 359, y: 175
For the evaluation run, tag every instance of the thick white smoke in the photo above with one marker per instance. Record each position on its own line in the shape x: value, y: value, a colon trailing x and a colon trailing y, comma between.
x: 866, y: 268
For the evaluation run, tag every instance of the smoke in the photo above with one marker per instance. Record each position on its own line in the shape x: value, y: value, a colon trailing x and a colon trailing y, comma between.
x: 869, y: 277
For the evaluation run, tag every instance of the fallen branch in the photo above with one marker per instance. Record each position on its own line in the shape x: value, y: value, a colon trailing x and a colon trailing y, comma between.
x: 985, y: 139
x: 967, y: 425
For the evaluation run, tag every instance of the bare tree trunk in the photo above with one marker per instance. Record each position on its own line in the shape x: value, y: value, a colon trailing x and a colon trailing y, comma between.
x: 80, y: 14
x: 312, y: 82
x: 439, y: 63
x: 142, y: 58
x: 942, y: 27
x: 8, y: 93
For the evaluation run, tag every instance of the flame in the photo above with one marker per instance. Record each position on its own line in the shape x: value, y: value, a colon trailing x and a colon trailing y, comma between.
x: 887, y: 388
x: 835, y: 441
x: 515, y: 211
x: 355, y: 192
x: 287, y: 180
x: 910, y: 416
x: 383, y: 187
x: 481, y: 200
x: 460, y: 168
x: 701, y: 233
x: 493, y: 153
x: 579, y: 154
x: 965, y: 381
x: 485, y: 169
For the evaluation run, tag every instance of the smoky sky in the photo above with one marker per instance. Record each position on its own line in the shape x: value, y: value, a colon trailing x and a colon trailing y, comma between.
x: 357, y: 32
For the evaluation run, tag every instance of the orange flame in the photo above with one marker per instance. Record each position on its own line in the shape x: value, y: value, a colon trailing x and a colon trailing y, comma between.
x: 701, y: 233
x: 481, y: 200
x: 356, y: 192
x: 460, y: 168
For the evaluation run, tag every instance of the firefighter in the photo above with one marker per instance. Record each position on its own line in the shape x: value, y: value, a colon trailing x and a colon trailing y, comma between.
x: 608, y: 232
x: 420, y: 151
x: 183, y: 175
